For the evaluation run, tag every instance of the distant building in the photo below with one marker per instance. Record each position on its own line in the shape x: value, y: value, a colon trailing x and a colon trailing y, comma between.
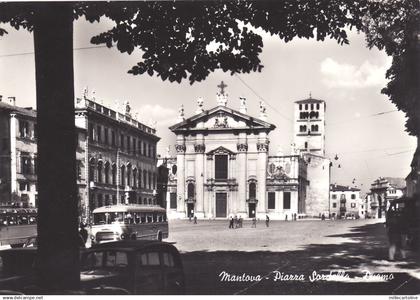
x: 383, y: 190
x: 18, y: 154
x: 345, y: 202
x: 117, y: 158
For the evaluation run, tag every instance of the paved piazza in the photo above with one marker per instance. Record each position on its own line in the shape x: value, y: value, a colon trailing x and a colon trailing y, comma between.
x: 292, y: 257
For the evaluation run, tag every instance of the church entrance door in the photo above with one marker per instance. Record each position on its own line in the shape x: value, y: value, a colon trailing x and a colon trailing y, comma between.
x: 190, y: 210
x: 221, y: 205
x: 252, y: 208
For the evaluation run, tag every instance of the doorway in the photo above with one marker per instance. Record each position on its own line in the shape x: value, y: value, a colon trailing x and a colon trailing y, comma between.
x: 251, y: 210
x: 221, y: 205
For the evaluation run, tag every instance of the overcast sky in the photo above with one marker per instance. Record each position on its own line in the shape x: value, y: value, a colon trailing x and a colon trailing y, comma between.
x: 349, y: 78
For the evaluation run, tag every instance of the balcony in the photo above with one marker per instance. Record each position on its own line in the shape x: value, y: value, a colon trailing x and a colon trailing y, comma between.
x: 252, y: 200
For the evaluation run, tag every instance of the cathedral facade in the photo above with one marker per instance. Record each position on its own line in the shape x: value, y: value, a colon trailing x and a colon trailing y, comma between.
x: 222, y: 167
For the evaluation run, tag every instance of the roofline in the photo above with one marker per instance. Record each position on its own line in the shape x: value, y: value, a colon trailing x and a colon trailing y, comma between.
x: 227, y: 109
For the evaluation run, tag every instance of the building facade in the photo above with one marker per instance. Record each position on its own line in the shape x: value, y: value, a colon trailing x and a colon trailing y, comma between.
x: 18, y: 154
x: 116, y: 156
x: 223, y: 167
x: 345, y: 202
x: 383, y: 190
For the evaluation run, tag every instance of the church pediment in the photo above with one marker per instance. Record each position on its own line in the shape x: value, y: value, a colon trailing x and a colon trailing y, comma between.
x: 220, y: 151
x: 221, y: 118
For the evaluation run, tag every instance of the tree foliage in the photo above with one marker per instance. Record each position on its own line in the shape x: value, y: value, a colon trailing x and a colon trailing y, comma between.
x: 191, y: 39
x: 394, y: 25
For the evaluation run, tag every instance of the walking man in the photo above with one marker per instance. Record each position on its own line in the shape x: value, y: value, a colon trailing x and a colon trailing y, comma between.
x: 231, y: 222
x: 254, y: 223
x: 267, y: 221
x: 195, y: 219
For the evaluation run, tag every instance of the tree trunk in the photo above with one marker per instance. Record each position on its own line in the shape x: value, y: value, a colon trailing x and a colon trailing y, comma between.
x: 58, y: 251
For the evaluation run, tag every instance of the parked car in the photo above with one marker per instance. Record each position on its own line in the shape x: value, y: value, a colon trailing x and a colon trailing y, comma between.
x: 138, y: 266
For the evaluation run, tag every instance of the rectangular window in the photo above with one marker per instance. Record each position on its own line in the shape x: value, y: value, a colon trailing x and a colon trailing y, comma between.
x: 134, y: 146
x: 106, y: 136
x: 91, y: 132
x: 353, y: 205
x: 286, y: 200
x: 334, y: 196
x: 99, y: 133
x: 113, y: 138
x: 271, y: 200
x: 221, y: 167
x: 122, y: 141
x: 23, y: 129
x: 334, y: 205
x: 128, y: 144
x: 172, y: 197
x: 25, y: 163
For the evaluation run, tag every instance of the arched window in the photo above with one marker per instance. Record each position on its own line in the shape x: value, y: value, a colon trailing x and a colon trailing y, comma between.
x: 106, y: 173
x: 300, y: 106
x: 135, y: 177
x: 306, y: 106
x: 306, y: 145
x: 144, y: 178
x: 312, y: 106
x: 317, y: 106
x: 139, y: 179
x: 122, y: 182
x: 252, y: 190
x: 149, y: 180
x: 114, y: 174
x: 190, y: 190
x: 129, y: 174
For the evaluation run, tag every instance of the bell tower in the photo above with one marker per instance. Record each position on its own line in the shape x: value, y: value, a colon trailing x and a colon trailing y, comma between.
x: 309, y: 126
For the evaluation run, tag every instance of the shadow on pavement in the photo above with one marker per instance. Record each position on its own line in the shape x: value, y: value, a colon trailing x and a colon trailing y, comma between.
x: 364, y: 250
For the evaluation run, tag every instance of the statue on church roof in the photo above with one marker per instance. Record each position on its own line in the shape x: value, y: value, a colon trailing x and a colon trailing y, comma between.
x: 200, y: 103
x: 242, y: 105
x: 263, y: 113
x: 222, y: 99
x: 181, y: 114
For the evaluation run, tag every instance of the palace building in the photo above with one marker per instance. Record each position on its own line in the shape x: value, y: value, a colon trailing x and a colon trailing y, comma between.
x: 223, y: 168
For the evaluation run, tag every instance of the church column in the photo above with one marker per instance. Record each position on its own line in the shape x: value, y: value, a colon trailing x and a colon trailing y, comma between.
x: 199, y: 149
x: 242, y: 148
x: 262, y: 147
x: 180, y: 158
x: 210, y: 192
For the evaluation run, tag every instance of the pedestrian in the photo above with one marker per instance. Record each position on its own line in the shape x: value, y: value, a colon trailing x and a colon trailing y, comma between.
x: 254, y: 222
x: 83, y: 235
x: 189, y: 218
x: 231, y: 222
x: 294, y: 216
x: 323, y: 217
x: 240, y: 221
x: 267, y: 221
x: 285, y: 218
x: 195, y: 219
x: 397, y: 229
x: 236, y: 222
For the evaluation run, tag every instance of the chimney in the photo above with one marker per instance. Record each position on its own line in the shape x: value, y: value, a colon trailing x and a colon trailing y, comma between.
x: 12, y: 100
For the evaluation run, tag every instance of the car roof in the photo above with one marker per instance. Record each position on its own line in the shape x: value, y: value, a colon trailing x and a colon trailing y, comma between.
x: 129, y: 208
x: 131, y: 245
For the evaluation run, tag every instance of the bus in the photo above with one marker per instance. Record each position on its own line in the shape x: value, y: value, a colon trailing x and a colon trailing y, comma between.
x: 17, y: 225
x: 129, y: 222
